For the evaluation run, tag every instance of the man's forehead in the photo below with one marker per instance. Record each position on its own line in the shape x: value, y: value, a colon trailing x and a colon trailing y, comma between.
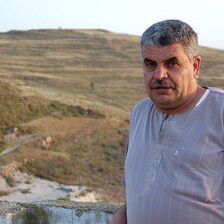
x: 155, y: 52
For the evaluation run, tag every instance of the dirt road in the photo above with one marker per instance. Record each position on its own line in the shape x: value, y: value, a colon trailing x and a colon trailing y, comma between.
x: 23, y: 142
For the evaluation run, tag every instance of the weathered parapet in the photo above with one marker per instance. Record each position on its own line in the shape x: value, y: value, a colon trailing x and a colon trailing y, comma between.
x: 56, y: 212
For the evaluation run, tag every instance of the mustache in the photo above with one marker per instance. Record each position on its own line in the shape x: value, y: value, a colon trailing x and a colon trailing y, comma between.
x: 161, y: 84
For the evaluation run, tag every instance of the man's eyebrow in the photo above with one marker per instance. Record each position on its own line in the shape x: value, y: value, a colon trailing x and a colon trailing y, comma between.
x: 167, y: 60
x: 149, y: 60
x: 171, y: 59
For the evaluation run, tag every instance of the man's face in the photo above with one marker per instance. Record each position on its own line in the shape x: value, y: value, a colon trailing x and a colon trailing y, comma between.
x: 170, y: 76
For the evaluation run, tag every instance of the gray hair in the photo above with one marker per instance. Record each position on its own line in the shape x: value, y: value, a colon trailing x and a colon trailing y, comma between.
x: 171, y: 31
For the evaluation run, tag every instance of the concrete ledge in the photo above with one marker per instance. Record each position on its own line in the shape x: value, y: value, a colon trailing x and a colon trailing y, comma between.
x: 56, y: 212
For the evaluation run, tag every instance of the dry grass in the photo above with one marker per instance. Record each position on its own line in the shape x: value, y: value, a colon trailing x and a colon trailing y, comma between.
x: 91, y: 68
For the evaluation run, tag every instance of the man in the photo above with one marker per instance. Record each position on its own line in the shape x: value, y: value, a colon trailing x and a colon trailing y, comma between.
x: 174, y: 167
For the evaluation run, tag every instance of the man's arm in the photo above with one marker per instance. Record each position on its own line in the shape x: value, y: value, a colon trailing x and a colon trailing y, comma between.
x: 120, y: 216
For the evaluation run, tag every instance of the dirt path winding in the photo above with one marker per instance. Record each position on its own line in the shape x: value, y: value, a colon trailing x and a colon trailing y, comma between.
x: 23, y: 142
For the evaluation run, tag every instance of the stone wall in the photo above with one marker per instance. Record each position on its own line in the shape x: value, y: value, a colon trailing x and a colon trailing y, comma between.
x: 56, y: 212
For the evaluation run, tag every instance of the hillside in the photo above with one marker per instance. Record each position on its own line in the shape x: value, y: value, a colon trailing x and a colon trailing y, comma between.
x: 85, y: 66
x: 57, y: 72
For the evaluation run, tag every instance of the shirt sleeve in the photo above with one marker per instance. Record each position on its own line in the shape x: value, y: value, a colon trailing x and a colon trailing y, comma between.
x: 126, y: 152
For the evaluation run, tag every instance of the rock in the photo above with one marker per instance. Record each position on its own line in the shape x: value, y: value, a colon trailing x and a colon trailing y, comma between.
x: 4, y: 187
x: 7, y: 169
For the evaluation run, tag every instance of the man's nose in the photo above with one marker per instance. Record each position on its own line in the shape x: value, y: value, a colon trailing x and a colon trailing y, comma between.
x: 160, y: 73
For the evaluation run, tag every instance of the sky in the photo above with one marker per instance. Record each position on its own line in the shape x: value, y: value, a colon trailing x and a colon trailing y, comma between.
x: 206, y: 17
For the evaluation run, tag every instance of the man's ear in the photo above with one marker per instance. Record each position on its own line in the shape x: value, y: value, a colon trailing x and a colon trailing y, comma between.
x: 196, y: 66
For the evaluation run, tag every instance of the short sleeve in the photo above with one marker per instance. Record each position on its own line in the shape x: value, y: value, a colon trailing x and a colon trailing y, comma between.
x: 126, y: 152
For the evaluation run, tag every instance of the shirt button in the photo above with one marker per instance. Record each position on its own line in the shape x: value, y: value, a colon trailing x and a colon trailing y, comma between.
x: 176, y: 153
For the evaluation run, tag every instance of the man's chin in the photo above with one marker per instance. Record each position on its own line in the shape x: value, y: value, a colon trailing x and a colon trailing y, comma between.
x: 164, y: 99
x: 165, y: 105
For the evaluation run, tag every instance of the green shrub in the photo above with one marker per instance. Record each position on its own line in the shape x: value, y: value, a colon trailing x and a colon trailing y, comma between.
x: 10, y: 181
x: 3, y: 145
x: 75, y: 111
x: 26, y: 130
x: 4, y: 193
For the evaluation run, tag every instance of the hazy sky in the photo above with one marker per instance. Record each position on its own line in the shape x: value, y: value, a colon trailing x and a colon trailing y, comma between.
x: 122, y: 16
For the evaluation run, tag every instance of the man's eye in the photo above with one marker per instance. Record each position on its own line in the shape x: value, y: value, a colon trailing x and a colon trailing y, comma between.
x: 150, y: 64
x: 172, y: 63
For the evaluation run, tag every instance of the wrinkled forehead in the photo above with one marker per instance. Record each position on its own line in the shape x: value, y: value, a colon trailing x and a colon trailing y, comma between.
x: 161, y: 53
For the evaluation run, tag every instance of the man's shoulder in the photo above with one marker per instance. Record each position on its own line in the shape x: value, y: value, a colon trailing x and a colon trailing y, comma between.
x: 216, y: 91
x: 217, y: 96
x: 145, y: 103
x: 143, y: 107
x: 141, y: 111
